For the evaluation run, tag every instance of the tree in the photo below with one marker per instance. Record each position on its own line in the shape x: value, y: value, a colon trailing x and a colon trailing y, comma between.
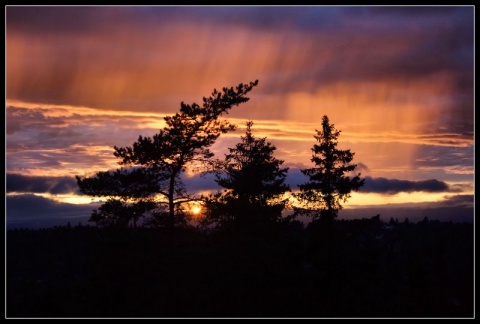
x: 153, y: 166
x: 117, y: 213
x: 129, y: 192
x: 328, y: 184
x: 254, y: 185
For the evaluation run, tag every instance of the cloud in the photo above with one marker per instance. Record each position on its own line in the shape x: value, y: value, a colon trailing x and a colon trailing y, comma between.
x: 320, y: 46
x: 82, y: 19
x: 429, y: 156
x: 380, y: 185
x: 32, y: 211
x: 457, y: 209
x: 443, y: 214
x: 61, y: 141
x: 56, y: 141
x: 458, y: 201
x: 198, y: 183
x: 372, y: 185
x: 393, y: 186
x: 77, y: 20
x: 44, y: 20
x: 39, y: 184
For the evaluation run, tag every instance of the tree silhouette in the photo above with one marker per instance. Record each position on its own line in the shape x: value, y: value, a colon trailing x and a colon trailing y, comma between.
x: 130, y: 195
x: 254, y: 185
x: 328, y: 183
x: 152, y: 166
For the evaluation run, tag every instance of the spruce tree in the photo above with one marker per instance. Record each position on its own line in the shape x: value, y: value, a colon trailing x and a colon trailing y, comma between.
x: 254, y: 185
x: 329, y: 182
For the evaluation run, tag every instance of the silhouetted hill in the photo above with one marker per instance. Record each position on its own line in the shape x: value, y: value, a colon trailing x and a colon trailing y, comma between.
x: 361, y: 268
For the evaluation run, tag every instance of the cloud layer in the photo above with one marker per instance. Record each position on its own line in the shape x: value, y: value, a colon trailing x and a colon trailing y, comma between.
x: 35, y: 184
x: 393, y: 186
x: 206, y: 182
x: 30, y: 211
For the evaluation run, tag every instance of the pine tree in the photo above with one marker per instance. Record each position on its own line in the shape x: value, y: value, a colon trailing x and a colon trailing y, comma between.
x: 328, y: 185
x: 159, y: 161
x: 254, y: 185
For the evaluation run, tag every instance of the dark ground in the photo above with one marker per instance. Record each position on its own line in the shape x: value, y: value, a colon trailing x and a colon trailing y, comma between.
x: 355, y: 269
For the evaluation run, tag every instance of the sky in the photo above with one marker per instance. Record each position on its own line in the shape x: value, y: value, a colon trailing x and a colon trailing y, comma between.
x: 398, y: 82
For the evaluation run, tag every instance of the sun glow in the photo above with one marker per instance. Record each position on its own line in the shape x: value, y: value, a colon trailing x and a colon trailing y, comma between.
x: 196, y: 210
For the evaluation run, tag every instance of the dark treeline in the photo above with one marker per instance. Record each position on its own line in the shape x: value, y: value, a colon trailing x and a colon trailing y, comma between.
x: 356, y: 268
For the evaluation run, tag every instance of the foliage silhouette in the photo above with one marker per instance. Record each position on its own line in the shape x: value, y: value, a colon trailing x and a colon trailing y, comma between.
x: 254, y: 186
x: 152, y: 166
x: 129, y: 193
x: 328, y: 184
x: 118, y: 213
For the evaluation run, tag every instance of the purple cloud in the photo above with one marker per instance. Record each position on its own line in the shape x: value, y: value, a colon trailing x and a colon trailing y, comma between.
x: 40, y: 184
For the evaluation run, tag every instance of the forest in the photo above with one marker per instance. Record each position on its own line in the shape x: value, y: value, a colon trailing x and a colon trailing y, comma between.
x: 356, y: 269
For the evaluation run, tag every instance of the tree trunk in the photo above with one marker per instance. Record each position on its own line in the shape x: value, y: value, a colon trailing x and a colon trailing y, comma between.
x: 171, y: 204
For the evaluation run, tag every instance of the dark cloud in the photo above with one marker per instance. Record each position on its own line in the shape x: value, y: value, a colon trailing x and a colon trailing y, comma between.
x: 380, y: 185
x: 201, y: 182
x: 47, y: 19
x: 412, y: 11
x: 295, y: 177
x: 393, y: 186
x: 412, y: 55
x: 443, y: 214
x: 372, y: 185
x: 273, y: 18
x: 38, y: 184
x: 377, y: 47
x: 357, y: 20
x: 32, y: 211
x: 466, y: 201
x: 207, y: 182
x: 75, y: 19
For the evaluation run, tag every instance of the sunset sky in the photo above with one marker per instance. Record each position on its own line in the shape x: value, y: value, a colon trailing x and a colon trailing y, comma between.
x: 397, y: 81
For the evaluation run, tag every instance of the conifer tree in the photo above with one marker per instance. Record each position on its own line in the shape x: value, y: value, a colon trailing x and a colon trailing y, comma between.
x: 254, y: 185
x: 153, y: 165
x: 329, y: 183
